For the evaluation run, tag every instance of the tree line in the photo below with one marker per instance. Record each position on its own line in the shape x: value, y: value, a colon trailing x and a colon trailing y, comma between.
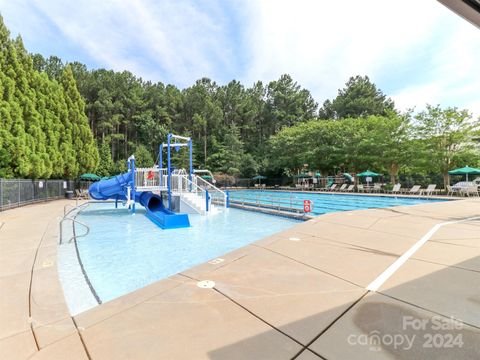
x: 270, y: 128
x: 230, y: 124
x: 433, y: 141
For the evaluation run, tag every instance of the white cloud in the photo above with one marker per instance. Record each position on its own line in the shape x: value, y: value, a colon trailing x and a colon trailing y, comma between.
x: 168, y: 41
x: 415, y: 51
x: 323, y: 43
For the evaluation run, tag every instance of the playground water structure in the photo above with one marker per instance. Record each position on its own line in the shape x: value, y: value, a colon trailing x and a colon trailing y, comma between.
x: 184, y: 192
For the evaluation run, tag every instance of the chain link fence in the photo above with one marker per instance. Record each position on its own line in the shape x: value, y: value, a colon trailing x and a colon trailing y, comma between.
x: 19, y: 192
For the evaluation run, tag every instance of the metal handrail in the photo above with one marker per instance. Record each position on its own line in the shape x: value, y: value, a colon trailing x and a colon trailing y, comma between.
x: 293, y: 203
x: 65, y: 208
x: 183, y: 185
x: 187, y: 182
x: 213, y: 187
x: 75, y: 236
x: 74, y: 221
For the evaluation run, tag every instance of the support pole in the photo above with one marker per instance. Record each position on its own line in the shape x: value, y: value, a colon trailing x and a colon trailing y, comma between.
x: 190, y: 172
x: 190, y: 157
x: 133, y: 182
x: 160, y: 165
x: 169, y: 183
x: 207, y: 198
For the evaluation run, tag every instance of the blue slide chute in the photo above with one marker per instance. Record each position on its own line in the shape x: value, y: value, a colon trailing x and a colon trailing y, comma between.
x: 116, y: 188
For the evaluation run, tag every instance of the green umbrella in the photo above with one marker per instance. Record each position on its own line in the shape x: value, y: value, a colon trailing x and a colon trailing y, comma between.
x: 368, y: 173
x: 348, y: 176
x: 206, y: 177
x: 467, y: 170
x: 318, y: 174
x: 259, y: 177
x: 91, y: 177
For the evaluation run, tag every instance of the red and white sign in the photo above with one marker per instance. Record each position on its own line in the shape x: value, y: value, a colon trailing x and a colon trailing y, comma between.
x: 307, y: 206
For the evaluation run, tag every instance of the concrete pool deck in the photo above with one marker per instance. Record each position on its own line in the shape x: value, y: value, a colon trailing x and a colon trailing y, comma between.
x: 297, y: 294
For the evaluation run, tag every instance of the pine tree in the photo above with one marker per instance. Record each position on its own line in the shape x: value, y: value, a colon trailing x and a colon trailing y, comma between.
x: 14, y: 139
x: 44, y: 131
x: 6, y: 90
x: 33, y: 115
x: 82, y: 138
x: 105, y: 164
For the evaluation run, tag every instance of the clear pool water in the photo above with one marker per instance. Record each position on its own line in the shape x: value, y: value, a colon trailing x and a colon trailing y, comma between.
x: 324, y: 202
x: 124, y: 252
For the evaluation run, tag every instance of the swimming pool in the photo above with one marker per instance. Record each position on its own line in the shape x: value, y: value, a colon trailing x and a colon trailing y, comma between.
x: 322, y: 202
x: 124, y: 252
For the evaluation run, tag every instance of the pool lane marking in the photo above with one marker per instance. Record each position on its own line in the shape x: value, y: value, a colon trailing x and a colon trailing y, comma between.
x: 383, y: 277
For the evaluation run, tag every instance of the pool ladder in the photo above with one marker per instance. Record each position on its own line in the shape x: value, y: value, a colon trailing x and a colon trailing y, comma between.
x: 65, y: 217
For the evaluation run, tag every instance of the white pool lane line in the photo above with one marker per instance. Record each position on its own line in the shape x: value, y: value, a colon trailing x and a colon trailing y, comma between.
x: 380, y: 280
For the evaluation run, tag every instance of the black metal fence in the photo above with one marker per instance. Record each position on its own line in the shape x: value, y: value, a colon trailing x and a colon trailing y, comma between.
x: 19, y: 192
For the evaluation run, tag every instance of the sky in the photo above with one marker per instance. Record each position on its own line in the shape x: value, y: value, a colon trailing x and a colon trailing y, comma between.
x: 415, y: 51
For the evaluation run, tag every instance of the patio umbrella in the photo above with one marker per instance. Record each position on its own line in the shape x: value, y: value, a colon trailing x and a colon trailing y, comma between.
x: 368, y: 174
x: 467, y: 170
x: 206, y: 177
x: 318, y: 174
x: 259, y: 177
x: 89, y: 177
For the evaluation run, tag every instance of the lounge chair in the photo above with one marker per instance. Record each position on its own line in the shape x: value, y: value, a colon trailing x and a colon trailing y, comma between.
x: 452, y: 191
x: 377, y: 188
x: 360, y: 188
x: 78, y: 194
x: 350, y: 188
x: 85, y: 194
x: 430, y: 190
x: 396, y: 189
x: 343, y: 187
x: 333, y: 187
x: 326, y: 188
x: 415, y: 190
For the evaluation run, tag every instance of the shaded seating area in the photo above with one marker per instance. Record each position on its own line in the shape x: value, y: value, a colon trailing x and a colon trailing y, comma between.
x: 375, y: 183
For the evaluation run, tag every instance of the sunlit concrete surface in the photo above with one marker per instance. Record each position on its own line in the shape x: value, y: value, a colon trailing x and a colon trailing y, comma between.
x: 297, y: 294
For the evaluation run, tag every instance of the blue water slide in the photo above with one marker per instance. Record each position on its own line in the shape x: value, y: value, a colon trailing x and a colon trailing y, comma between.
x: 116, y: 188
